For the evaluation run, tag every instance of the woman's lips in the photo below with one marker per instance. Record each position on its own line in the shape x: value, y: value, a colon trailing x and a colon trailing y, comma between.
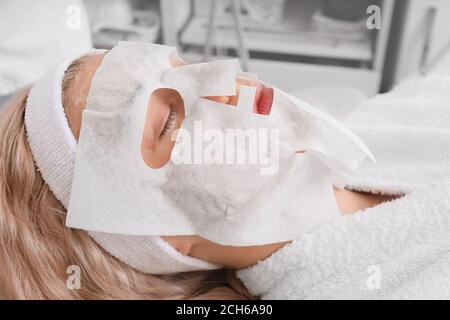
x: 264, y: 100
x: 263, y: 97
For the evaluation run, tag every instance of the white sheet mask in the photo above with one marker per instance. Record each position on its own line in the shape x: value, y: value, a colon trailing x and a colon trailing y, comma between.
x: 253, y: 193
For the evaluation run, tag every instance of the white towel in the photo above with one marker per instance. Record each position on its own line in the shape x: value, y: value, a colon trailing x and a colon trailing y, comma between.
x: 399, y: 249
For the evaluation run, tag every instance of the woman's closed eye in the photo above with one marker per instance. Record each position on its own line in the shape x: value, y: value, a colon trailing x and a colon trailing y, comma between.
x: 170, y: 121
x: 165, y: 113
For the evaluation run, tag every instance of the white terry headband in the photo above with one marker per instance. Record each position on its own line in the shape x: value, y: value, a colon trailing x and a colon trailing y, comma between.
x: 54, y: 151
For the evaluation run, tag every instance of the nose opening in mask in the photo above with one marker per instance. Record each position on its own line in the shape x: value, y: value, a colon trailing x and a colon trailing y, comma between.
x: 261, y: 101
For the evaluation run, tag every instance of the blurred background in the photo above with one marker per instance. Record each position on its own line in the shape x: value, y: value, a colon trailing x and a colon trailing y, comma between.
x: 331, y: 52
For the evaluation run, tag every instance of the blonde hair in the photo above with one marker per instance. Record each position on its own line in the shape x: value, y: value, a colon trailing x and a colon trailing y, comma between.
x: 36, y: 248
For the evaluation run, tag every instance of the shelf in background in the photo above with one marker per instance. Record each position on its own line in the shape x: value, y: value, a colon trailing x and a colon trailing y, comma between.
x: 293, y: 35
x: 290, y: 76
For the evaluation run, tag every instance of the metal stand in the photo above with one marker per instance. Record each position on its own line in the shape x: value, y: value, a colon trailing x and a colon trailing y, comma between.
x: 242, y: 50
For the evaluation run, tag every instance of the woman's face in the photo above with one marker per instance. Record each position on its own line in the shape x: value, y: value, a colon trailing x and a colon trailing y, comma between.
x: 165, y: 113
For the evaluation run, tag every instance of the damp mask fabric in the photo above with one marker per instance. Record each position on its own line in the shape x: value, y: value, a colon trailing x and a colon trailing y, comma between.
x: 256, y: 192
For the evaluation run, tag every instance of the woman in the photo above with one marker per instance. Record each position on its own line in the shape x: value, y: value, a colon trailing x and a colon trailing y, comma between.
x: 36, y: 247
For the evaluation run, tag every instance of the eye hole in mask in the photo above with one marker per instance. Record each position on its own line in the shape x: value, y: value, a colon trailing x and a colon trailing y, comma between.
x: 165, y: 114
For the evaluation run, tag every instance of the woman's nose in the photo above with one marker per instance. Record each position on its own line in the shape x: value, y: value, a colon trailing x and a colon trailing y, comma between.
x: 220, y: 99
x: 176, y: 61
x: 232, y: 100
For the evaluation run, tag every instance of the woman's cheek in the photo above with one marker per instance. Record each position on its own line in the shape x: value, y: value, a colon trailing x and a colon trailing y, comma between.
x: 157, y: 153
x: 151, y: 151
x: 220, y: 99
